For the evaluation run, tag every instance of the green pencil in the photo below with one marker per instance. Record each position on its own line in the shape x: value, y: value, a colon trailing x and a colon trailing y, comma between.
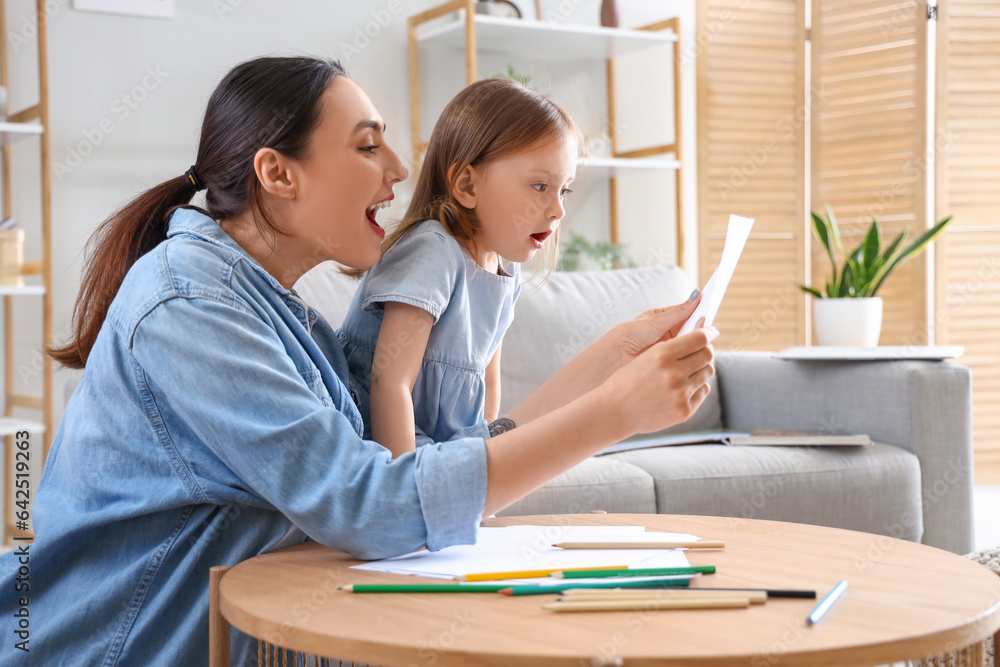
x: 638, y: 572
x: 542, y: 589
x: 424, y: 588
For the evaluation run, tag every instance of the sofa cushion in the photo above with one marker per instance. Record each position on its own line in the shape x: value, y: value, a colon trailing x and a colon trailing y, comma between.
x: 605, y: 483
x: 873, y: 489
x: 327, y: 290
x: 555, y: 321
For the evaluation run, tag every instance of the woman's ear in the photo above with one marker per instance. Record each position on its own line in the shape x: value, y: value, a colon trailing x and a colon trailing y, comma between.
x: 466, y: 186
x: 275, y: 173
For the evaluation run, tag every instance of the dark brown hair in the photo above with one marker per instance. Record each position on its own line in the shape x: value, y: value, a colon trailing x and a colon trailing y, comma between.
x: 487, y: 120
x: 263, y: 103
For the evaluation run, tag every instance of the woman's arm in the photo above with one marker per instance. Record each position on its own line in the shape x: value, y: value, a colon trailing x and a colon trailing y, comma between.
x: 664, y: 388
x: 402, y: 341
x: 492, y: 408
x: 595, y: 364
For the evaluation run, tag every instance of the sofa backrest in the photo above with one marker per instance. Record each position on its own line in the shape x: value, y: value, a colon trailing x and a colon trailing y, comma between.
x: 553, y: 321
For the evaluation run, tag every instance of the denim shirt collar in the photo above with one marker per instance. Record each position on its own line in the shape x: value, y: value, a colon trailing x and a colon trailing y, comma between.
x: 194, y: 222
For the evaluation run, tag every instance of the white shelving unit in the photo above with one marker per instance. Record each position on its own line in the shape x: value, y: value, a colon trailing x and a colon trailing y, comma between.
x: 456, y: 26
x: 12, y: 132
x: 539, y: 39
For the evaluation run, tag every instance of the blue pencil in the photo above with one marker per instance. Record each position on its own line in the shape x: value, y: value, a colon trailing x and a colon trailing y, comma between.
x: 826, y: 603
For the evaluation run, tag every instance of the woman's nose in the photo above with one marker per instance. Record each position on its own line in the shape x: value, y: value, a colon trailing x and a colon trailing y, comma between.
x: 396, y: 171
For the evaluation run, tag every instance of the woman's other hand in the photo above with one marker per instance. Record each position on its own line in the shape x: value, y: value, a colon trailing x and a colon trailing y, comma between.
x: 667, y: 382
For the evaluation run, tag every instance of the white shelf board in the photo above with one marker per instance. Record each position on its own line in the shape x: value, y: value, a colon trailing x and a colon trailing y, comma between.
x: 541, y: 39
x: 613, y: 166
x: 7, y: 290
x: 11, y: 132
x: 11, y: 425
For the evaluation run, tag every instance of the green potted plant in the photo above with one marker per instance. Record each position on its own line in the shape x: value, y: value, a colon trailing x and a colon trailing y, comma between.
x: 848, y: 312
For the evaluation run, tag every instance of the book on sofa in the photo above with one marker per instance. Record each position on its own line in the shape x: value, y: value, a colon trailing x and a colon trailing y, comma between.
x: 776, y: 437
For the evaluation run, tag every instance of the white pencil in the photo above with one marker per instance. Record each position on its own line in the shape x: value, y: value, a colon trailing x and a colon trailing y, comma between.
x: 649, y: 604
x: 701, y: 544
x: 606, y: 594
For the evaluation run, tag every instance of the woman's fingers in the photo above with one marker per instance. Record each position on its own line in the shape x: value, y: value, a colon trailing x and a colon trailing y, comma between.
x: 655, y: 325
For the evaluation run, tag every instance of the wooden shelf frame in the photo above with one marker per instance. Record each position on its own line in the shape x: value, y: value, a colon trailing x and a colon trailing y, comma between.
x: 30, y: 121
x: 613, y: 41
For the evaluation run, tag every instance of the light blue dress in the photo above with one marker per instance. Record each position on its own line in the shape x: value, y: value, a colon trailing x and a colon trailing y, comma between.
x: 472, y: 310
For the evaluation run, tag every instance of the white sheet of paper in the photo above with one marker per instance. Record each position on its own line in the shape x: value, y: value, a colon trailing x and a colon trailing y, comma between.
x: 514, y: 548
x: 715, y: 288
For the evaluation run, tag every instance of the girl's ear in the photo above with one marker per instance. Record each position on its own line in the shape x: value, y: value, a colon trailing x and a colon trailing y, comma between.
x: 466, y: 185
x: 275, y: 173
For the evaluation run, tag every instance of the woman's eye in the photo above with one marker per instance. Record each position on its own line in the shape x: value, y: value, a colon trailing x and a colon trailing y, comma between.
x: 565, y: 191
x: 370, y: 149
x: 540, y: 187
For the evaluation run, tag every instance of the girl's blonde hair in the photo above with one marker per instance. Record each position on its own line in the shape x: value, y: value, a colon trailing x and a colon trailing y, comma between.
x: 488, y: 120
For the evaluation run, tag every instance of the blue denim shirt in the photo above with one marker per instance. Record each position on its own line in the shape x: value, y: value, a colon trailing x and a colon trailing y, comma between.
x: 214, y: 422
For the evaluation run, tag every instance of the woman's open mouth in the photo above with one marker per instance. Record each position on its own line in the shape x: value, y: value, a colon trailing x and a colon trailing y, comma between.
x: 539, y: 238
x: 370, y: 214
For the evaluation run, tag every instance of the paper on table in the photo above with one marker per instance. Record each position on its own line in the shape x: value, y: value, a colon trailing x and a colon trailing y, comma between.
x: 530, y: 548
x: 715, y: 288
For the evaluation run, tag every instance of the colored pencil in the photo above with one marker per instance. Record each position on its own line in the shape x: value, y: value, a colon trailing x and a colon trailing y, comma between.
x: 543, y: 589
x: 701, y: 544
x: 826, y: 603
x: 585, y: 595
x: 801, y: 594
x: 650, y: 604
x: 529, y: 574
x: 636, y: 572
x: 423, y: 588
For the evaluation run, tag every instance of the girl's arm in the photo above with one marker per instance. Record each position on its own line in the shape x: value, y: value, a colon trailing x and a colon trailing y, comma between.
x: 492, y: 408
x: 402, y: 341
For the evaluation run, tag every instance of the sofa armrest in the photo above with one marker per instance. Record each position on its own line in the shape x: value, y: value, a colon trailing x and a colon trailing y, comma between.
x: 924, y: 407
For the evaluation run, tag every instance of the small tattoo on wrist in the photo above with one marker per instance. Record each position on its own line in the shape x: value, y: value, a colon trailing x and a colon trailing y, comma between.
x: 501, y: 425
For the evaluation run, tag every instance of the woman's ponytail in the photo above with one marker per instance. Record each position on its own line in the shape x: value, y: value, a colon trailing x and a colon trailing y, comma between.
x: 115, y: 246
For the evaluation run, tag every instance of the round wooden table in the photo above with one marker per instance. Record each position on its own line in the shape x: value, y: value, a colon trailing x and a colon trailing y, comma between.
x: 905, y: 601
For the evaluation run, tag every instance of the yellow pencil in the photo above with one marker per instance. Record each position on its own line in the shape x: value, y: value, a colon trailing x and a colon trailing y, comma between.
x: 701, y: 544
x: 650, y: 604
x: 528, y: 574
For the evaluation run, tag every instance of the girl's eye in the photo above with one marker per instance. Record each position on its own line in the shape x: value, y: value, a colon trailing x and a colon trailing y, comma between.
x: 540, y: 187
x: 370, y: 149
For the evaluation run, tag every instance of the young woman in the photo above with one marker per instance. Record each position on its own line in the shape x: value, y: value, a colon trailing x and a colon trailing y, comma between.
x: 424, y: 331
x: 216, y: 420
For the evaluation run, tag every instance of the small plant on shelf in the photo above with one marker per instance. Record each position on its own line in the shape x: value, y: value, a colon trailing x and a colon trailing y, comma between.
x: 606, y: 255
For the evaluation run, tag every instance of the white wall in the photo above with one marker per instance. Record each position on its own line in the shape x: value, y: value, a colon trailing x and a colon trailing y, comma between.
x: 127, y: 96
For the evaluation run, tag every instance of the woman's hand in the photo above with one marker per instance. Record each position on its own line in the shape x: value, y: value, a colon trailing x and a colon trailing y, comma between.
x: 632, y: 338
x: 665, y: 385
x: 667, y: 382
x: 611, y: 352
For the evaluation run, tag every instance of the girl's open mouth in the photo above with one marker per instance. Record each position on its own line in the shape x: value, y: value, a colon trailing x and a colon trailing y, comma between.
x: 539, y: 238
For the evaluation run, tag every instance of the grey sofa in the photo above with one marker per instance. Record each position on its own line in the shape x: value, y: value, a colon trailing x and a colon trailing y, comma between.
x: 914, y: 483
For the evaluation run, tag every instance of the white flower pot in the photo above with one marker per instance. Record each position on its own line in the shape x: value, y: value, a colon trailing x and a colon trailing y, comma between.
x: 848, y: 322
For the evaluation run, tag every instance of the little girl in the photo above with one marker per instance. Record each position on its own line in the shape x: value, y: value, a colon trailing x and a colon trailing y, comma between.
x: 424, y: 329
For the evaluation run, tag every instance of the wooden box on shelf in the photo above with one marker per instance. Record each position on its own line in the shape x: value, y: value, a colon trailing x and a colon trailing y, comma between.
x: 12, y: 258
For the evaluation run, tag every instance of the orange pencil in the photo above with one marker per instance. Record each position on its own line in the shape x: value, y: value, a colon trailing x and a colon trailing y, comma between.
x: 529, y: 574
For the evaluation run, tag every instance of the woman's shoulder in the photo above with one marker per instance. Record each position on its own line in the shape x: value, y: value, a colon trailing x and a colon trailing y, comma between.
x: 193, y: 262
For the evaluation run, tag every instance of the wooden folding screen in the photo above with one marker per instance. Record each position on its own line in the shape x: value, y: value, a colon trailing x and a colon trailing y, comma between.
x: 872, y: 150
x: 869, y: 127
x: 967, y: 135
x: 751, y: 128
